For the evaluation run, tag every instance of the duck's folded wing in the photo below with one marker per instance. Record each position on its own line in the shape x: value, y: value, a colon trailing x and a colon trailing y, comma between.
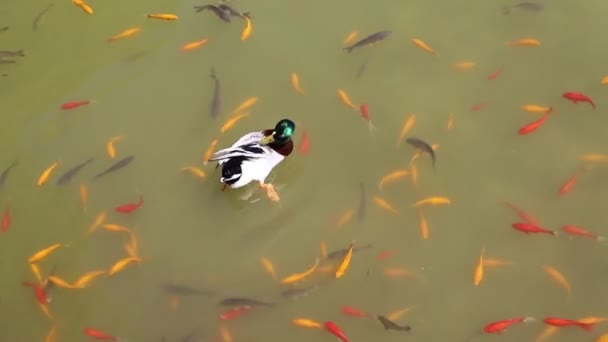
x: 249, y: 138
x: 251, y: 151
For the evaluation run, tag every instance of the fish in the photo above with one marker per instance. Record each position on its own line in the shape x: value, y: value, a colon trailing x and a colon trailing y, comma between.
x: 524, y: 6
x: 339, y: 254
x: 40, y: 17
x: 390, y: 325
x: 570, y: 95
x: 296, y: 292
x: 178, y: 289
x: 247, y: 30
x: 306, y: 323
x: 369, y: 40
x: 234, y: 12
x: 83, y: 6
x: 6, y: 54
x: 243, y: 301
x: 216, y: 103
x: 534, y: 125
x: 7, y: 61
x: 345, y: 262
x: 362, y: 203
x: 67, y: 177
x: 423, y: 146
x: 4, y: 29
x: 195, y: 44
x: 124, y: 34
x: 224, y: 12
x: 423, y: 46
x: 335, y: 330
x: 562, y: 322
x: 162, y: 16
x: 499, y: 326
x: 6, y: 172
x: 118, y: 165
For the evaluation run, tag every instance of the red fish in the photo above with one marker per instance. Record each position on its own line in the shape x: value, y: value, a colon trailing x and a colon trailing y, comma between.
x: 38, y: 292
x: 495, y: 74
x: 561, y: 322
x: 385, y: 254
x: 304, y: 144
x: 234, y: 312
x: 567, y: 186
x: 349, y: 310
x: 500, y: 326
x: 335, y: 330
x: 6, y: 219
x: 130, y: 207
x: 522, y: 214
x: 478, y: 107
x: 364, y: 111
x: 99, y: 335
x: 578, y: 97
x: 574, y: 230
x: 531, y: 228
x: 74, y: 104
x: 534, y: 125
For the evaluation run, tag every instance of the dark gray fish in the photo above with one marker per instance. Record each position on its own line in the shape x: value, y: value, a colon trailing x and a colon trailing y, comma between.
x: 239, y: 301
x: 423, y: 146
x: 4, y: 29
x: 234, y: 12
x: 362, y: 203
x: 361, y: 70
x: 339, y: 254
x: 118, y: 165
x: 371, y: 39
x: 191, y: 337
x: 5, y: 54
x: 183, y: 290
x: 5, y: 173
x: 216, y: 103
x: 40, y: 17
x: 220, y: 13
x: 7, y: 61
x: 529, y: 6
x: 390, y: 325
x: 296, y: 292
x: 67, y: 177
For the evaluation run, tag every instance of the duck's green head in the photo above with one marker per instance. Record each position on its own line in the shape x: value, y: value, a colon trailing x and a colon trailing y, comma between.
x: 282, y: 133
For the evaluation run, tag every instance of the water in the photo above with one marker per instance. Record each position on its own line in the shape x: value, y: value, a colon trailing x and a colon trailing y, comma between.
x: 191, y: 233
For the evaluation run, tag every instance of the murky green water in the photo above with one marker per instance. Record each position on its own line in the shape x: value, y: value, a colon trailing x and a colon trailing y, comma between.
x: 189, y: 232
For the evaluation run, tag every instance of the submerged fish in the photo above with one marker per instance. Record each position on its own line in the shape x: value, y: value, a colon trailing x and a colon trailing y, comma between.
x: 67, y: 177
x: 242, y: 301
x: 362, y: 203
x: 216, y: 103
x: 390, y: 325
x: 5, y: 28
x: 5, y: 173
x: 118, y: 165
x: 234, y: 12
x: 224, y: 12
x: 296, y: 292
x: 6, y: 54
x: 40, y: 17
x: 371, y: 39
x: 339, y: 254
x: 529, y: 6
x: 177, y: 289
x: 423, y: 146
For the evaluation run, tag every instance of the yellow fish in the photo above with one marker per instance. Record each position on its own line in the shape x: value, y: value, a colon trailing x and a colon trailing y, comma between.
x: 197, y: 171
x: 195, y: 44
x: 531, y: 108
x: 225, y: 334
x: 299, y: 276
x: 423, y: 224
x: 345, y: 218
x: 464, y: 65
x: 432, y: 201
x: 350, y: 37
x: 122, y: 263
x: 423, y: 46
x: 111, y: 227
x: 343, y: 96
x: 414, y: 174
x: 269, y: 267
x: 60, y: 282
x: 602, y: 338
x: 51, y: 336
x: 493, y: 262
x: 345, y: 262
x: 162, y: 16
x: 323, y: 249
x: 44, y: 176
x: 209, y: 151
x: 556, y: 275
x: 84, y: 196
x: 42, y: 254
x: 87, y: 278
x: 295, y: 83
x: 390, y: 177
x: 247, y: 30
x: 83, y: 6
x: 604, y: 80
x: 395, y: 315
x: 524, y: 42
x: 478, y: 275
x: 594, y: 158
x: 232, y: 121
x: 407, y: 126
x: 36, y: 271
x: 248, y: 103
x: 110, y: 146
x: 450, y: 123
x: 124, y: 34
x: 132, y: 245
x: 306, y: 323
x: 99, y: 219
x: 382, y: 203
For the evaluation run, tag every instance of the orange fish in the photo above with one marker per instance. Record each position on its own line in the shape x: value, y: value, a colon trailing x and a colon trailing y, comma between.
x: 524, y: 42
x: 423, y: 46
x: 210, y: 150
x: 407, y: 126
x: 295, y: 83
x: 390, y: 177
x: 478, y: 275
x: 124, y: 34
x: 382, y: 203
x: 162, y: 16
x: 232, y: 121
x: 450, y: 123
x: 195, y: 44
x: 83, y: 6
x: 350, y: 37
x: 569, y: 184
x: 464, y: 65
x: 559, y: 278
x: 343, y: 96
x: 423, y: 224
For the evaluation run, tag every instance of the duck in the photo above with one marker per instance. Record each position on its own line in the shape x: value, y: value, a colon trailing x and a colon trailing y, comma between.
x: 254, y: 155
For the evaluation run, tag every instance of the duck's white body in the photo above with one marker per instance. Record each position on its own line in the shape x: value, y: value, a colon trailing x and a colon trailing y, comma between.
x: 246, y: 161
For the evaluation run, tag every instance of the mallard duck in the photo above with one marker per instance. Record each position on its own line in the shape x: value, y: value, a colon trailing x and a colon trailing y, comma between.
x: 254, y: 155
